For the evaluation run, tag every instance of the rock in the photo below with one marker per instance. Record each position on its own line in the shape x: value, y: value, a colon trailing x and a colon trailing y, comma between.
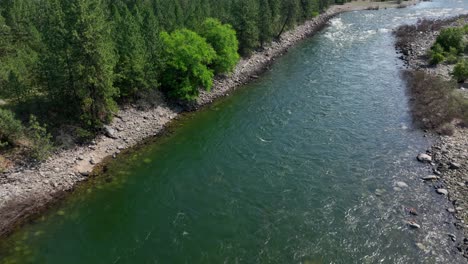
x: 421, y: 246
x: 92, y: 161
x: 401, y: 184
x: 430, y: 178
x: 413, y: 224
x: 80, y: 158
x: 110, y: 132
x: 85, y: 173
x: 120, y: 147
x: 442, y: 191
x: 451, y: 210
x: 379, y: 192
x: 423, y: 157
x: 412, y: 211
x: 452, y: 236
x: 454, y: 165
x: 56, y: 170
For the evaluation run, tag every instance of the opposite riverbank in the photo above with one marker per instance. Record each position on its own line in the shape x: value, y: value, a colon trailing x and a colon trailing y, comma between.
x: 448, y: 157
x: 27, y: 191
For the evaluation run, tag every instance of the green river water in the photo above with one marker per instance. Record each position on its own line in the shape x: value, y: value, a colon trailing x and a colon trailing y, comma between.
x: 283, y: 171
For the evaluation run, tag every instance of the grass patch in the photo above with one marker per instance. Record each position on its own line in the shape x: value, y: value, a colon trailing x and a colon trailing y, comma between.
x: 435, y: 103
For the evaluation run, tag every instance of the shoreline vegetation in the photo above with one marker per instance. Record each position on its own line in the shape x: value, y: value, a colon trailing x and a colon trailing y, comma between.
x: 435, y: 54
x: 27, y: 189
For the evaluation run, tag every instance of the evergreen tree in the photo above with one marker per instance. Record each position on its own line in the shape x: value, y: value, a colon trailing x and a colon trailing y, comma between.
x: 130, y: 45
x: 265, y: 24
x: 80, y: 61
x: 151, y: 28
x: 245, y: 22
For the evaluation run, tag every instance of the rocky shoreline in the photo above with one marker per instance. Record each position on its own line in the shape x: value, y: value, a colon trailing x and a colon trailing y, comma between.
x: 448, y: 157
x: 25, y: 192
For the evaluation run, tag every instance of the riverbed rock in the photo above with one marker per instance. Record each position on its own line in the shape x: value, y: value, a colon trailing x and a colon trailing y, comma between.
x: 454, y: 165
x: 442, y: 191
x: 414, y: 224
x: 430, y: 178
x: 401, y: 184
x: 110, y: 132
x: 423, y: 157
x: 85, y: 173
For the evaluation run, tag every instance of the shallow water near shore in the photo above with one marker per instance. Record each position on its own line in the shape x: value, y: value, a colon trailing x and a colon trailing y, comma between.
x: 298, y: 167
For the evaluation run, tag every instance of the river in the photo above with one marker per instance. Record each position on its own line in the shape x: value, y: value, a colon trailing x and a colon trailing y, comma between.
x: 300, y: 166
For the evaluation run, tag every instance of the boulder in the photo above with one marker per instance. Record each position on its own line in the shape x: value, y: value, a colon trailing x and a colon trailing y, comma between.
x: 442, y: 191
x: 454, y: 165
x: 423, y: 157
x: 430, y: 178
x: 110, y: 132
x: 401, y: 184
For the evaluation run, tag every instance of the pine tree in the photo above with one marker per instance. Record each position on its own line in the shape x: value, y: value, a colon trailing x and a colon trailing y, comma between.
x: 94, y: 60
x: 130, y: 45
x: 244, y: 21
x: 151, y: 29
x: 265, y: 24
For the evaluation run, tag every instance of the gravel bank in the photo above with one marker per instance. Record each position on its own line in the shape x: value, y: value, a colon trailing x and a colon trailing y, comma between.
x: 450, y: 153
x: 25, y: 192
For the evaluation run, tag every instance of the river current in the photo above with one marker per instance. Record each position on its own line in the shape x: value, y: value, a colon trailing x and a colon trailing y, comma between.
x: 300, y: 166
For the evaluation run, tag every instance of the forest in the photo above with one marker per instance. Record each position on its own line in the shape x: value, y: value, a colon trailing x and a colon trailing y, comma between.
x: 73, y: 62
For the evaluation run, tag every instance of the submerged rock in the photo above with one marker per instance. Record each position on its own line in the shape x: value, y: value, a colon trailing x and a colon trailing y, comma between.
x: 423, y: 157
x: 401, y: 184
x: 414, y: 224
x: 421, y: 246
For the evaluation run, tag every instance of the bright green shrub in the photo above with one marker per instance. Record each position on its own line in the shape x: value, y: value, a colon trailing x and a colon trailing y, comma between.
x: 186, y: 56
x: 224, y: 41
x: 452, y: 55
x: 460, y: 71
x: 41, y: 140
x: 11, y: 128
x: 436, y: 58
x: 451, y: 38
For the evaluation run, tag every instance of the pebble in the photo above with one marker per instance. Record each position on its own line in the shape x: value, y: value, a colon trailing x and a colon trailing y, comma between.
x: 451, y: 210
x: 442, y: 191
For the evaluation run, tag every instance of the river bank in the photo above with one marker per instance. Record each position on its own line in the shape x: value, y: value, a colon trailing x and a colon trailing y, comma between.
x: 449, y: 154
x: 27, y: 191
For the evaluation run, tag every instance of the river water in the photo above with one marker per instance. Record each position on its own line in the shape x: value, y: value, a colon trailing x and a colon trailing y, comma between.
x: 298, y: 167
